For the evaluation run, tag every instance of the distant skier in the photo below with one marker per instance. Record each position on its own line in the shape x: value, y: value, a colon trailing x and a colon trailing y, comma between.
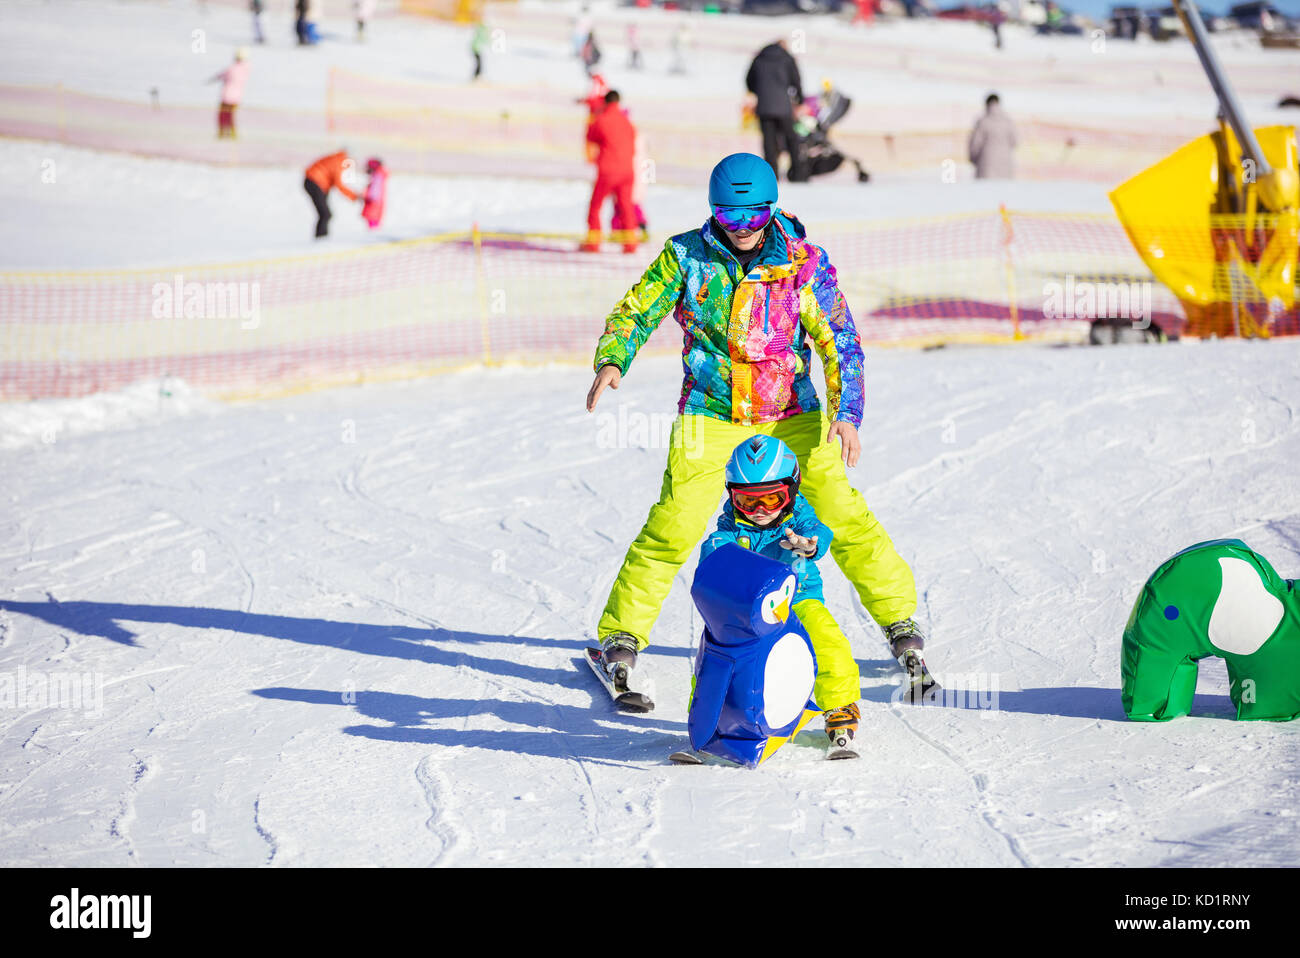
x: 582, y: 24
x: 633, y: 47
x: 590, y: 53
x: 478, y: 44
x: 765, y: 512
x: 993, y: 143
x: 376, y: 191
x: 233, y: 80
x: 311, y: 28
x: 363, y: 11
x: 322, y: 176
x: 749, y: 291
x: 614, y: 139
x: 680, y: 43
x: 774, y: 80
x: 257, y: 6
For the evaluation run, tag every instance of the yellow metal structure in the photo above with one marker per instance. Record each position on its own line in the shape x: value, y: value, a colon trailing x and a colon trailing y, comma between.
x: 1214, y: 233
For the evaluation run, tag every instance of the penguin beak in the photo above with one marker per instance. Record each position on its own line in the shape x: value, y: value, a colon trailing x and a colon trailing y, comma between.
x: 783, y: 610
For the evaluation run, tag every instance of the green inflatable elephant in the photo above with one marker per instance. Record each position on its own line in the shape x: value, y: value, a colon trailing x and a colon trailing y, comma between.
x: 1213, y: 598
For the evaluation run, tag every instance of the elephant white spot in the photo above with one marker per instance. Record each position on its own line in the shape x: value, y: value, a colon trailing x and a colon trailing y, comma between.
x: 775, y: 606
x: 787, y: 680
x: 1246, y: 613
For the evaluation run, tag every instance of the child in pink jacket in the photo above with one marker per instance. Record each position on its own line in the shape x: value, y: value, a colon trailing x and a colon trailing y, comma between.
x: 233, y: 79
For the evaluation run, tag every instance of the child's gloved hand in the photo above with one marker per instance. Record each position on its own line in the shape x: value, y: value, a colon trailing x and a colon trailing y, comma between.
x: 800, y: 545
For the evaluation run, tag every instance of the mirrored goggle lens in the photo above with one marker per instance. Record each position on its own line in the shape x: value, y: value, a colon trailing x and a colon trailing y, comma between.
x: 733, y: 218
x: 751, y: 502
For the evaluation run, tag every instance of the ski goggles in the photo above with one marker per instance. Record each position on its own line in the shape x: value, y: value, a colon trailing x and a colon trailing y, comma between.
x: 771, y: 497
x: 733, y: 219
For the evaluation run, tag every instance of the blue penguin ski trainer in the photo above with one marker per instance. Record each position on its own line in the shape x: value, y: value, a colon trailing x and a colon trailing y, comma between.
x: 766, y: 515
x: 755, y: 668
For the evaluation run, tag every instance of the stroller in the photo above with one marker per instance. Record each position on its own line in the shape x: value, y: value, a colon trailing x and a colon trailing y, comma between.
x: 817, y: 155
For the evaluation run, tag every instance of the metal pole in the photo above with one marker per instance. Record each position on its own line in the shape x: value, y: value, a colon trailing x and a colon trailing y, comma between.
x: 1232, y: 111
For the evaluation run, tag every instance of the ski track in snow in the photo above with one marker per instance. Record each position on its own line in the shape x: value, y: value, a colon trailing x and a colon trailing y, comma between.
x: 261, y: 830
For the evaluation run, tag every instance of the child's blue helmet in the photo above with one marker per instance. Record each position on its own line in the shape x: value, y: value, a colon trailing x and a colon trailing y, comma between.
x: 742, y: 179
x: 763, y: 459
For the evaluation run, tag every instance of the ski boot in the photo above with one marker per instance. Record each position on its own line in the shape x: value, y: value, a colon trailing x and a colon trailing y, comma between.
x: 904, y: 636
x: 841, y: 724
x: 906, y: 644
x: 618, y: 657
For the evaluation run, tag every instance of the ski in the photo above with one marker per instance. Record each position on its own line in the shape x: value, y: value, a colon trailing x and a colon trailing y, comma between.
x: 923, y: 687
x: 686, y: 757
x: 840, y: 747
x: 624, y: 697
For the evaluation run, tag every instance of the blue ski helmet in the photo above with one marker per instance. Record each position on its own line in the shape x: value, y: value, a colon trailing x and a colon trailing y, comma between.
x: 742, y: 179
x: 763, y: 459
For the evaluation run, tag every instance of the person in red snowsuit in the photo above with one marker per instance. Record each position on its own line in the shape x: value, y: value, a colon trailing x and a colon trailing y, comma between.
x: 612, y: 135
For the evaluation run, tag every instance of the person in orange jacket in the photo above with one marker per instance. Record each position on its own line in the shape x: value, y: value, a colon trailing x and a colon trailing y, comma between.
x: 322, y: 176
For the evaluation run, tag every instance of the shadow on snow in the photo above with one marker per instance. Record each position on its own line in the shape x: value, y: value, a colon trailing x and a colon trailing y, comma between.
x: 553, y: 730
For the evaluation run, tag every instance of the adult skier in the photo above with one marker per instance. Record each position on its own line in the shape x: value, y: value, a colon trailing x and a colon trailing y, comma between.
x: 322, y: 176
x: 993, y: 142
x: 613, y: 138
x: 773, y: 78
x: 748, y: 291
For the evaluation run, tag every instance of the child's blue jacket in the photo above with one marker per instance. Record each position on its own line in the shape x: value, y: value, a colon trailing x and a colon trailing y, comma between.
x: 767, y: 542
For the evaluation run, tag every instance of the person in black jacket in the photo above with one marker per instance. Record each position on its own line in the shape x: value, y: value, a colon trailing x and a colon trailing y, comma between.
x: 774, y: 79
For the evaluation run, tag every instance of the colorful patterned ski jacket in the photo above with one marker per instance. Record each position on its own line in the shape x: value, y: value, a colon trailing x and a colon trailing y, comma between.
x: 746, y: 357
x: 767, y: 542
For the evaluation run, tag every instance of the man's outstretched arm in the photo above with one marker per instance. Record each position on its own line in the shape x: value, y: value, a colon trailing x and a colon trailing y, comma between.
x: 631, y: 322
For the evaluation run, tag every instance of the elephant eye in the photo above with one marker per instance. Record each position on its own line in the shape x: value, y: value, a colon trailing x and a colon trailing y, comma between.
x: 1171, y: 612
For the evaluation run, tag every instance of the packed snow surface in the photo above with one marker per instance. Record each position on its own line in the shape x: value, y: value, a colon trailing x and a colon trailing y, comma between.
x: 346, y: 627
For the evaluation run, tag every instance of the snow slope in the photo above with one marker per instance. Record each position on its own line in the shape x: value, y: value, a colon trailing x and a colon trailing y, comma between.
x: 345, y: 627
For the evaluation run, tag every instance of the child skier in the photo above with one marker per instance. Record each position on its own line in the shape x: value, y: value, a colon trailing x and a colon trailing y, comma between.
x: 233, y: 80
x: 373, y: 210
x: 766, y: 513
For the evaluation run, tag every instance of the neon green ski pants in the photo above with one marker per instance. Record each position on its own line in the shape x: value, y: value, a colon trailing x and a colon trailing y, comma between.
x: 838, y: 682
x: 693, y: 485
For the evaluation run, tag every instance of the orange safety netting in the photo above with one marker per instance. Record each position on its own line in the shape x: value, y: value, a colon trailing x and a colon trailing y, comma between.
x: 423, y: 305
